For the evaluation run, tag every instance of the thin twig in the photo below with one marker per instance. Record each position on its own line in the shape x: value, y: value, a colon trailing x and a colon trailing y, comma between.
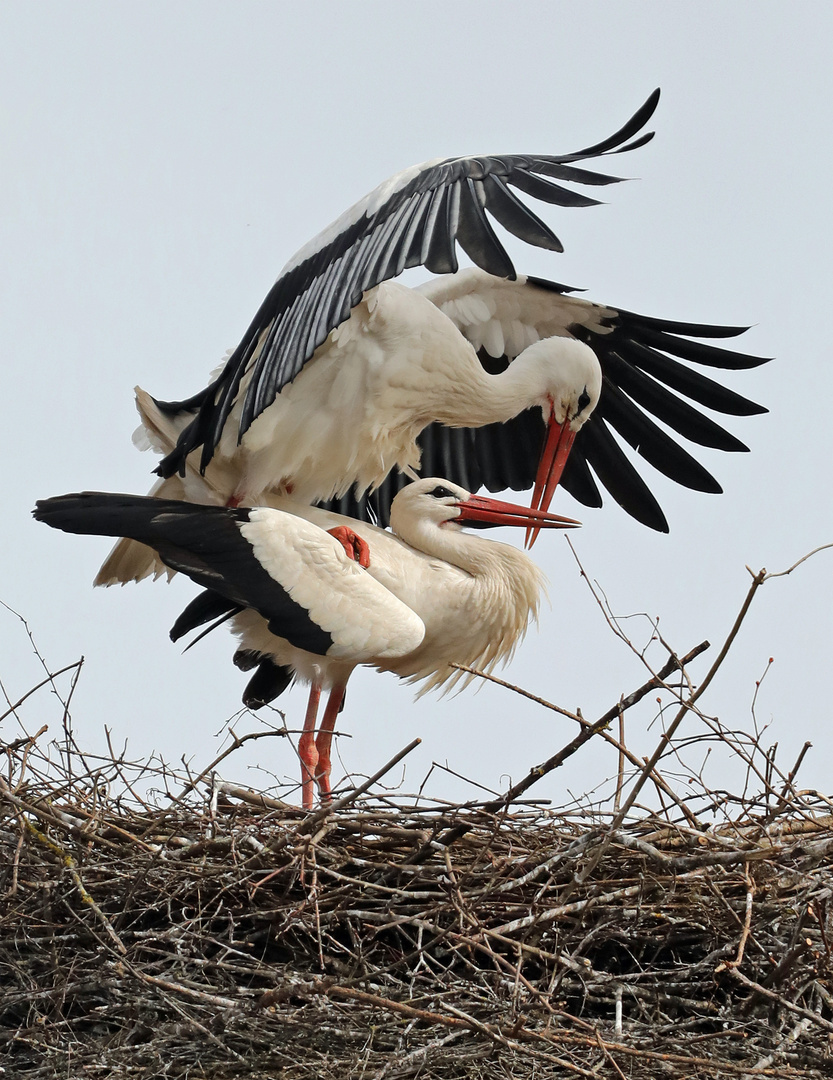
x: 237, y: 742
x: 50, y: 678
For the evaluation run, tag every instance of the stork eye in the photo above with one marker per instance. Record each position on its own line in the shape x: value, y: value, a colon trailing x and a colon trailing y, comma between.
x: 583, y: 401
x: 441, y: 493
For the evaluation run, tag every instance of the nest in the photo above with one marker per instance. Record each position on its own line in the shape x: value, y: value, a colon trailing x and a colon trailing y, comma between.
x: 227, y: 934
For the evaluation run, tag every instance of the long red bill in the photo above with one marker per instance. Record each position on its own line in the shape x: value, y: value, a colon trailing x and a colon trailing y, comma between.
x: 559, y: 443
x: 481, y: 512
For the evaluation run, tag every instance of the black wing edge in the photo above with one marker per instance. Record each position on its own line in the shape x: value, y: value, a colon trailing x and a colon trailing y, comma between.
x: 647, y: 377
x: 268, y: 682
x: 419, y: 224
x: 270, y: 679
x: 204, y: 542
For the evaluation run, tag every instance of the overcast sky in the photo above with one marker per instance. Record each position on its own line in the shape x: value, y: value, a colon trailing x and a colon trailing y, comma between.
x: 162, y: 162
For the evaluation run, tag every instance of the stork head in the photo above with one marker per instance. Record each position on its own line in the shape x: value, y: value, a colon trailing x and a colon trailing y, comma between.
x: 574, y: 387
x: 446, y: 505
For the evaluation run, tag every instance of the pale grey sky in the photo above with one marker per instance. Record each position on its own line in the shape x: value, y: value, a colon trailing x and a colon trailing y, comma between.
x: 162, y: 162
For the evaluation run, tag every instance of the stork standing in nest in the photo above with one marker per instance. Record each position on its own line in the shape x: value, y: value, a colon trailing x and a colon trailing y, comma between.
x: 313, y: 594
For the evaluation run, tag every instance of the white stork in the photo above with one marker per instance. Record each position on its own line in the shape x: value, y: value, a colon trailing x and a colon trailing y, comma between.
x: 413, y: 601
x: 347, y: 382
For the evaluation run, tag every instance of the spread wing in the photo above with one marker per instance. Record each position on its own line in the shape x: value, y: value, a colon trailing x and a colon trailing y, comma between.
x: 417, y: 218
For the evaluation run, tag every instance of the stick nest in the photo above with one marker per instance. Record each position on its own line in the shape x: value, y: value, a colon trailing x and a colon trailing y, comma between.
x: 226, y: 934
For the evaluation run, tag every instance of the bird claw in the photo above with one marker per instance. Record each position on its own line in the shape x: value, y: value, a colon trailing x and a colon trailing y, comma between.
x: 355, y: 547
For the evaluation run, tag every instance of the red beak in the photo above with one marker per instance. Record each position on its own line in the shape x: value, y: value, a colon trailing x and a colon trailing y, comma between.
x: 560, y: 438
x: 482, y: 513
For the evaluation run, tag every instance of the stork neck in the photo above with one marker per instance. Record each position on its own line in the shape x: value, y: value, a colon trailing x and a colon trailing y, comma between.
x: 548, y: 370
x: 486, y: 399
x: 502, y: 584
x: 472, y: 554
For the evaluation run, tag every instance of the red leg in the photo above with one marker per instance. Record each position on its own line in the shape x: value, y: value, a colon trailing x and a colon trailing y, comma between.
x: 353, y: 544
x: 324, y: 741
x: 307, y: 750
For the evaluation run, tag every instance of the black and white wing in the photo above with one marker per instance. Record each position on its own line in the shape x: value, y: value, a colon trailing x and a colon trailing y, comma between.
x: 290, y: 571
x: 414, y: 219
x: 647, y: 377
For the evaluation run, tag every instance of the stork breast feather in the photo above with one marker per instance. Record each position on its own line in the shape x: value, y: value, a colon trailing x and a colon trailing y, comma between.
x: 363, y: 618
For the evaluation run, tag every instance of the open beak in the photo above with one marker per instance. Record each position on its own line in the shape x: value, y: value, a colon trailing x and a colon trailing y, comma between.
x: 559, y: 443
x: 482, y: 513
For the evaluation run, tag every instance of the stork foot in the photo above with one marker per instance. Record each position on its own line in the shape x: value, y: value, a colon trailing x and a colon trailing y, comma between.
x: 356, y: 548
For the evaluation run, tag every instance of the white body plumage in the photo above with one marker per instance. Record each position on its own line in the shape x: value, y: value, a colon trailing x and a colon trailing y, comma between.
x: 398, y: 363
x: 473, y: 598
